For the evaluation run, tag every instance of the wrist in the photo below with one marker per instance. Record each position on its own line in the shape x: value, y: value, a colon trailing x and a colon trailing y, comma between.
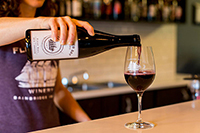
x: 42, y: 22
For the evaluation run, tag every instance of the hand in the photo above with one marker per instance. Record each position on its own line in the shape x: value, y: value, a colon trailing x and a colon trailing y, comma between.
x: 67, y: 27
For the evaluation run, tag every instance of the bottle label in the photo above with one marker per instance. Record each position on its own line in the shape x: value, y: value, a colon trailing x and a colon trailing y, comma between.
x: 44, y: 48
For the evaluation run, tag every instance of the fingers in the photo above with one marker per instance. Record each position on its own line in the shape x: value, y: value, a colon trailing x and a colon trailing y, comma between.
x: 71, y: 30
x: 54, y: 29
x: 67, y: 29
x: 85, y: 25
x: 63, y: 31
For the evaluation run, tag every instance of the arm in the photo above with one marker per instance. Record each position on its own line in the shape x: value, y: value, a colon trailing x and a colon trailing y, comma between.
x: 13, y: 29
x: 66, y: 103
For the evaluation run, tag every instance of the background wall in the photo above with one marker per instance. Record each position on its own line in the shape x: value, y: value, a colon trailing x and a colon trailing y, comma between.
x: 109, y: 65
x: 188, y: 42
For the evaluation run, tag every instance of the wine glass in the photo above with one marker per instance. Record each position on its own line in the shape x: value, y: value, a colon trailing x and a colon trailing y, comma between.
x: 139, y: 73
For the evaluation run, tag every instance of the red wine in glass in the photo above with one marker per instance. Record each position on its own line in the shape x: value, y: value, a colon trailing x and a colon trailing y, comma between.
x: 139, y: 81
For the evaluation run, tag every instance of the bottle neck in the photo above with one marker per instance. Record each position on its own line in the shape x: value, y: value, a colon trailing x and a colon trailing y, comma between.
x: 106, y: 38
x: 131, y: 40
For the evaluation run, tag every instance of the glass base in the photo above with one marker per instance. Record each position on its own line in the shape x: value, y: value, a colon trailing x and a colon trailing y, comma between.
x: 139, y: 125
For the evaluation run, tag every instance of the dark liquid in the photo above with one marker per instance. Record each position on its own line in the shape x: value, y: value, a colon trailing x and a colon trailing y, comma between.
x: 139, y: 50
x: 139, y: 81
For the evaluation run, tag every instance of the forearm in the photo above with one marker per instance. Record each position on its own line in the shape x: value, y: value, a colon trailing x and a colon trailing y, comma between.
x: 13, y: 29
x: 66, y: 103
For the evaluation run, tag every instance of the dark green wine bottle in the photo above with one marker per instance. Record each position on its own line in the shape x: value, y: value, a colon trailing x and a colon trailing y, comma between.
x: 40, y: 46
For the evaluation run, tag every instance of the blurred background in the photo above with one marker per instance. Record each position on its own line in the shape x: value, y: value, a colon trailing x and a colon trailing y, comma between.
x: 171, y: 27
x: 158, y: 22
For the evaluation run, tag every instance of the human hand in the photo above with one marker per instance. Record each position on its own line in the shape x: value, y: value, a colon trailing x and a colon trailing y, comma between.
x: 67, y: 27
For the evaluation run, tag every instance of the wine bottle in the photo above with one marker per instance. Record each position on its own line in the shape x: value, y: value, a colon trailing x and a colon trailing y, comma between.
x: 62, y: 8
x: 68, y: 4
x: 117, y: 10
x: 97, y: 8
x: 135, y: 11
x: 87, y: 11
x: 166, y: 12
x: 109, y: 8
x: 40, y: 46
x: 127, y: 9
x: 179, y: 12
x: 77, y: 8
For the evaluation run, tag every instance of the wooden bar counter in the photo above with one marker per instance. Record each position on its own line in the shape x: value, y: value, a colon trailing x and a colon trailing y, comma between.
x: 176, y: 118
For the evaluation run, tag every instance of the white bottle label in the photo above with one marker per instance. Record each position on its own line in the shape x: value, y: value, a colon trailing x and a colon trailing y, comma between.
x: 44, y: 48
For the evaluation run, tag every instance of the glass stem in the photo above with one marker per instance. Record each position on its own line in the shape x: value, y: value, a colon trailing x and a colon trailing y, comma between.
x: 139, y: 95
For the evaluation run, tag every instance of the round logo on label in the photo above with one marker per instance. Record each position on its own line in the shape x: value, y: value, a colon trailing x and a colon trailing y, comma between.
x: 50, y: 47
